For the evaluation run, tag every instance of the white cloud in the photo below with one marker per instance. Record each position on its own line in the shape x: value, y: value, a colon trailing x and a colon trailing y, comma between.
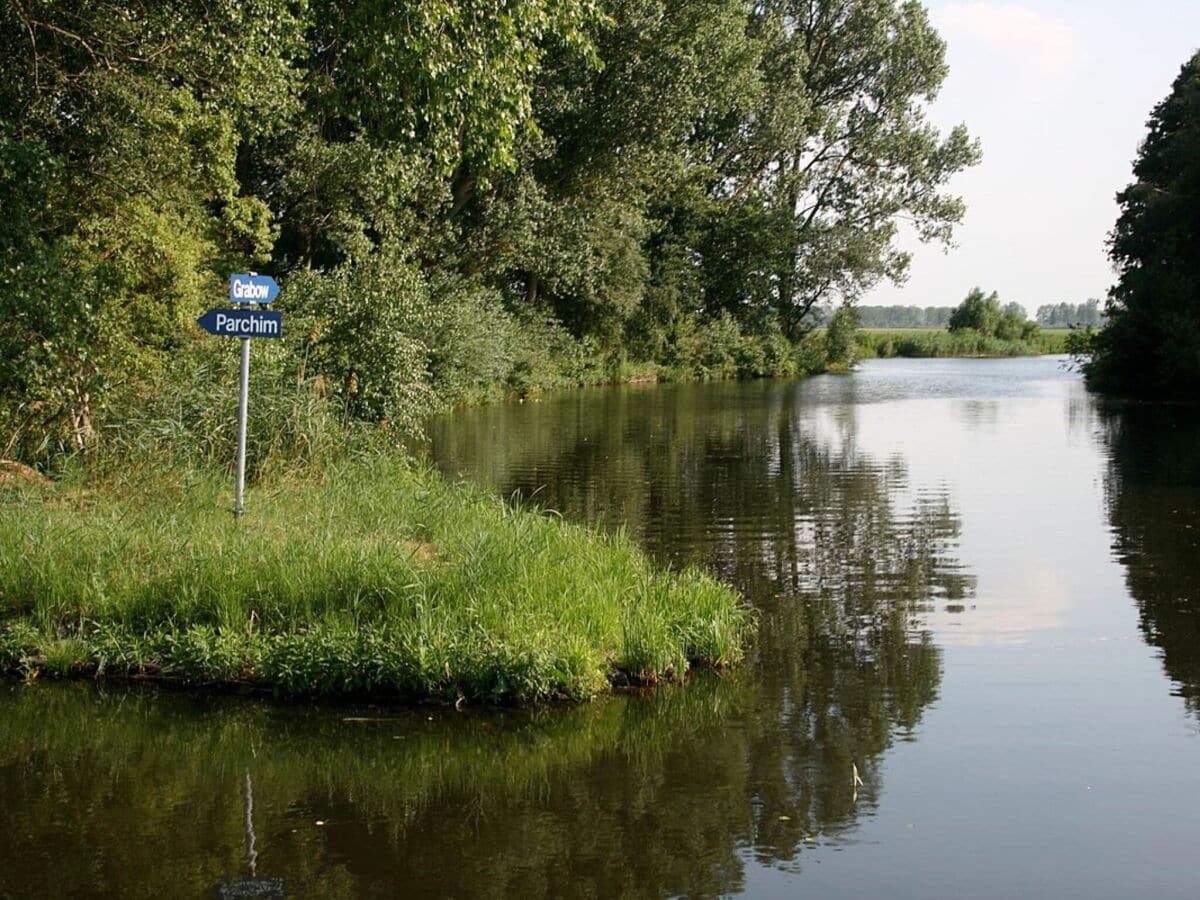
x: 1040, y: 45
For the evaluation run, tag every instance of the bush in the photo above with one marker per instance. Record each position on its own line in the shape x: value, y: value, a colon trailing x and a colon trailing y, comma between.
x: 360, y: 328
x: 840, y: 343
x: 811, y: 357
x: 472, y: 341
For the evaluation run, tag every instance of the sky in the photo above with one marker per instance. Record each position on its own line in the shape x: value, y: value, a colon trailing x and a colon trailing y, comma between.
x: 1058, y: 92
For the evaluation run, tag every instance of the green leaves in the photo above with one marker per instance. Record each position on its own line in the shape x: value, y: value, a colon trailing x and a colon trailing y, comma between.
x: 1150, y: 345
x: 983, y: 313
x: 358, y: 324
x: 119, y: 152
x: 840, y: 142
x: 622, y: 181
x: 451, y: 79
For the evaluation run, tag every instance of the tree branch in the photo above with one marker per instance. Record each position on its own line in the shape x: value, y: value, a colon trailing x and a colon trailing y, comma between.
x: 104, y: 60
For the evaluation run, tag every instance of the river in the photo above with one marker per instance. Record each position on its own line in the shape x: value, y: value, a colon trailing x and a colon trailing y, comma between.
x: 977, y: 674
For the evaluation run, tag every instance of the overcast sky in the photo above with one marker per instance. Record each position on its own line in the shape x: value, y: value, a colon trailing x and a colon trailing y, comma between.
x: 1059, y: 92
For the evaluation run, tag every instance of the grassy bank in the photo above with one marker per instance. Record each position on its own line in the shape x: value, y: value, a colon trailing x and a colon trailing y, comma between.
x: 922, y: 343
x: 371, y: 579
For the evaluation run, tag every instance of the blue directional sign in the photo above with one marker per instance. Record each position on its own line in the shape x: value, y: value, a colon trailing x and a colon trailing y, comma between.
x: 244, y: 323
x: 248, y: 288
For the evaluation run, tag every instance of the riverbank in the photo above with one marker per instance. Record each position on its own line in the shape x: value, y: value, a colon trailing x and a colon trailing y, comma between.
x: 373, y: 578
x: 926, y: 343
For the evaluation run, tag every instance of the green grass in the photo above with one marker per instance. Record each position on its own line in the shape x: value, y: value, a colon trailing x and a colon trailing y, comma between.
x: 921, y: 343
x: 371, y: 579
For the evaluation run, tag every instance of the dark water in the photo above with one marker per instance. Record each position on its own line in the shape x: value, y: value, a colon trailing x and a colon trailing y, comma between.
x: 978, y: 589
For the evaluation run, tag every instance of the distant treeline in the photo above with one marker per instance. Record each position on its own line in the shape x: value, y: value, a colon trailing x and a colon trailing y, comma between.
x: 1052, y: 315
x: 904, y: 316
x: 1071, y: 315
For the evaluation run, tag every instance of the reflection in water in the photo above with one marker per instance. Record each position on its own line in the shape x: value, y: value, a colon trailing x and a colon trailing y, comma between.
x: 487, y: 805
x: 764, y: 484
x: 665, y: 794
x: 1153, y: 493
x: 235, y: 888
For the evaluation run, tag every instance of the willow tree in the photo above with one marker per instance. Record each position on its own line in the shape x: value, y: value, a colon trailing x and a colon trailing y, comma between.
x: 840, y: 148
x: 1150, y: 345
x: 727, y: 158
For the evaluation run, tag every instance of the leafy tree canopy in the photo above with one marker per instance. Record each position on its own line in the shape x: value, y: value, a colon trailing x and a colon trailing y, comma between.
x: 673, y: 182
x: 1150, y: 345
x: 983, y: 313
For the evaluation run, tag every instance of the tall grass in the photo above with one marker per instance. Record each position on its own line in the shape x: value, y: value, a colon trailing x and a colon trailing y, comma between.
x: 370, y: 578
x: 919, y: 343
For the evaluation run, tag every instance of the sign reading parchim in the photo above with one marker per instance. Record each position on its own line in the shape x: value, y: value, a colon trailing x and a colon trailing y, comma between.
x: 247, y: 287
x: 243, y: 323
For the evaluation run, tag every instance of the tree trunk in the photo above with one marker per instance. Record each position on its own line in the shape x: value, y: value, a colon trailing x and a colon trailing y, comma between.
x: 82, y: 427
x: 463, y: 190
x: 787, y: 273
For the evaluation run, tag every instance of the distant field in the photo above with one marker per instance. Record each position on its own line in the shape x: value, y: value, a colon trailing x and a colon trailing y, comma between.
x: 905, y: 331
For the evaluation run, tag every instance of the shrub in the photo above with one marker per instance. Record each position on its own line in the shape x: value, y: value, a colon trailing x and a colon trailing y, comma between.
x: 360, y: 328
x: 840, y: 343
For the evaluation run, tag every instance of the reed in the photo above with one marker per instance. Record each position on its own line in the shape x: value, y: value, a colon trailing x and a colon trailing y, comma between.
x: 921, y: 343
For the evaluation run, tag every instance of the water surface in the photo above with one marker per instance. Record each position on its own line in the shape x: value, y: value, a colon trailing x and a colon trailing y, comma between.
x: 978, y: 591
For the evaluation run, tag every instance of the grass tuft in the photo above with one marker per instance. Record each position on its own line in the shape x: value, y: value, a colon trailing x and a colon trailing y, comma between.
x: 374, y: 579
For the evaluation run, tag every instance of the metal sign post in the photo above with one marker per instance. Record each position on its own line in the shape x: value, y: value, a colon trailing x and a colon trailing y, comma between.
x: 245, y: 324
x: 239, y: 506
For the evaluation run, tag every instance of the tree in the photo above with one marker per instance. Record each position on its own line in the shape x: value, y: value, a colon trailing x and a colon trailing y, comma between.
x: 904, y: 316
x: 408, y: 110
x: 148, y: 149
x: 1013, y: 325
x: 1070, y: 315
x: 760, y: 153
x: 119, y: 131
x: 978, y: 312
x: 648, y: 179
x: 1150, y: 345
x: 839, y: 338
x: 1088, y: 315
x: 839, y: 147
x: 983, y: 313
x: 608, y: 210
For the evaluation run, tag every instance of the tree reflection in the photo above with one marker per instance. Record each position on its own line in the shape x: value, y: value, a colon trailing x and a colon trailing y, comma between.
x: 145, y: 796
x: 766, y: 485
x: 1153, y: 494
x: 653, y: 795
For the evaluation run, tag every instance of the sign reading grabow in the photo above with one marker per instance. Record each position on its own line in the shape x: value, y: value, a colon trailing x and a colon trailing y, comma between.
x: 243, y: 323
x: 246, y: 287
